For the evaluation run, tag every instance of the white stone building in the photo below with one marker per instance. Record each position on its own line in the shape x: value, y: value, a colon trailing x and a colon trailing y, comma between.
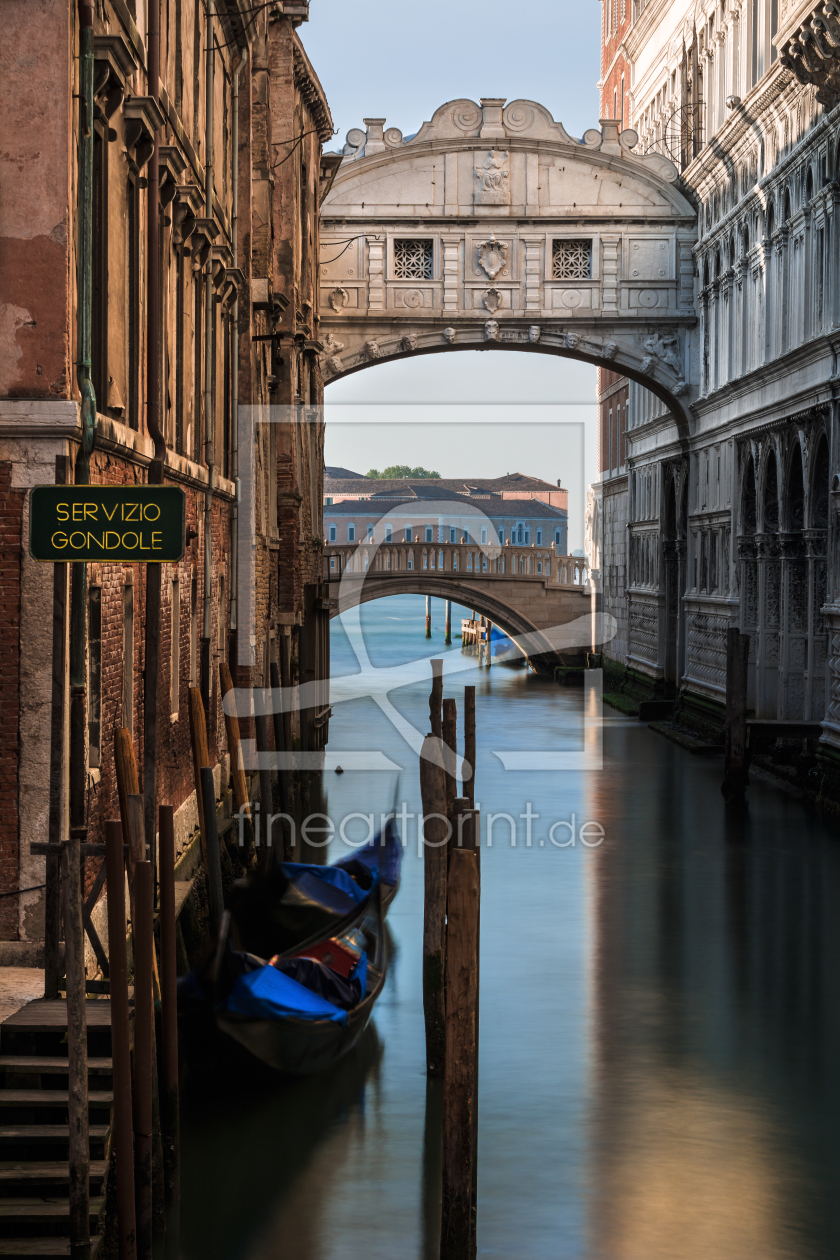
x: 730, y: 521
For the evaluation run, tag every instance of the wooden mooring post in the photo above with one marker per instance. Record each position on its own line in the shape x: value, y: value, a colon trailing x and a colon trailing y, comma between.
x: 428, y: 616
x: 459, y: 1084
x: 436, y: 832
x: 447, y: 635
x: 123, y: 1128
x: 237, y: 768
x: 144, y: 1043
x: 450, y: 756
x: 468, y: 767
x: 169, y: 1031
x: 215, y: 895
x: 77, y: 1065
x: 736, y: 756
x: 436, y: 698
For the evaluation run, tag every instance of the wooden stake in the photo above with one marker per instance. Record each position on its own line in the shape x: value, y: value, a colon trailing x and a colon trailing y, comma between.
x: 428, y: 616
x: 74, y: 959
x: 450, y: 724
x: 736, y: 764
x: 447, y: 636
x: 123, y: 1134
x: 169, y: 1031
x: 201, y: 758
x: 459, y: 1073
x: 468, y: 769
x: 237, y: 767
x: 436, y: 697
x: 436, y: 832
x: 214, y: 865
x: 143, y: 1056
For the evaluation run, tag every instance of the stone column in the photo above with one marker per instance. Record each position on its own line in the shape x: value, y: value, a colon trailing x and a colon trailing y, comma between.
x: 793, y: 628
x: 610, y: 272
x: 376, y: 275
x: 815, y: 680
x: 748, y: 584
x: 767, y: 648
x: 450, y: 271
x: 533, y: 273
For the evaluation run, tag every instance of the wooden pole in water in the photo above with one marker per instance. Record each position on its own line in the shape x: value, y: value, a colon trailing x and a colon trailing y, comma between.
x: 436, y: 698
x: 143, y: 1055
x: 169, y: 1029
x: 123, y: 1132
x: 488, y: 659
x: 436, y: 831
x: 214, y: 860
x: 77, y: 1065
x: 447, y: 638
x: 237, y: 768
x: 468, y: 768
x: 428, y: 616
x: 450, y: 722
x: 736, y: 763
x: 201, y: 758
x: 459, y: 1073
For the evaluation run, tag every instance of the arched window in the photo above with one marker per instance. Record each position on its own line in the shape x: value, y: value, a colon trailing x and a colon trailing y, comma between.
x: 795, y: 496
x: 809, y: 184
x: 771, y: 496
x: 786, y: 206
x: 818, y: 511
x: 771, y: 220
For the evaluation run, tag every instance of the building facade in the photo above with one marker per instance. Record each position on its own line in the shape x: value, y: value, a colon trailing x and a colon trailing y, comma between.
x: 436, y: 515
x: 180, y: 356
x: 731, y: 522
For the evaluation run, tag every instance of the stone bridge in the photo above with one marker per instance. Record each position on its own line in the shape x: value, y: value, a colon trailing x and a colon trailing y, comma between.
x: 492, y: 228
x: 541, y: 599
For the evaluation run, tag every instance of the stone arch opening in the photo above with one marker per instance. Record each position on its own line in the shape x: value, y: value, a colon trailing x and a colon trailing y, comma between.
x: 748, y: 564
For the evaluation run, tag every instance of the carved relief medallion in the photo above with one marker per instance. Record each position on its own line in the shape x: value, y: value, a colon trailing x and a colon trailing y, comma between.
x: 492, y: 256
x: 493, y: 179
x: 492, y: 300
x: 339, y: 299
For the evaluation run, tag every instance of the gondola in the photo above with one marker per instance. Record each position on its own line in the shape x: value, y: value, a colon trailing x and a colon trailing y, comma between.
x: 322, y: 930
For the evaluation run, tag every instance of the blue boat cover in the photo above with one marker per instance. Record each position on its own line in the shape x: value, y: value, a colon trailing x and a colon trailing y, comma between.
x: 269, y: 994
x: 310, y: 880
x: 383, y: 852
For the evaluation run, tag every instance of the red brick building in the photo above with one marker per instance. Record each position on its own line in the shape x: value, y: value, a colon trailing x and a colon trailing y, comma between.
x: 203, y: 309
x: 614, y: 85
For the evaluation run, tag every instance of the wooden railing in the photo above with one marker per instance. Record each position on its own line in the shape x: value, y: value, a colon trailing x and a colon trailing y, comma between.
x: 467, y: 560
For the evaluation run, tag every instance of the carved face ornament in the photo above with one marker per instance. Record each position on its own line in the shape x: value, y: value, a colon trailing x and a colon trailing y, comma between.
x: 450, y: 334
x: 491, y: 330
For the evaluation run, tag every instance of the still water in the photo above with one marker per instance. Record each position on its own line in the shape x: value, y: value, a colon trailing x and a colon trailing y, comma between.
x: 660, y: 1025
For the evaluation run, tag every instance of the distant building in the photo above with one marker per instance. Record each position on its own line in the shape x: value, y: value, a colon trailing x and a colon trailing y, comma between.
x: 427, y: 511
x: 340, y: 484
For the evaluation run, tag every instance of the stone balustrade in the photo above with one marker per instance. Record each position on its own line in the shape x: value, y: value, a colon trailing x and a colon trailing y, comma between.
x: 466, y: 560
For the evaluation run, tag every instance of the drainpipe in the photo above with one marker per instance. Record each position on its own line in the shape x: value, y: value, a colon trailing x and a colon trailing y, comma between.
x: 234, y: 455
x: 209, y: 418
x: 151, y: 661
x: 78, y: 597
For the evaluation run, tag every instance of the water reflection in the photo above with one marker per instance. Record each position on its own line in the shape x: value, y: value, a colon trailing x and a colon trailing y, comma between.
x: 659, y: 1021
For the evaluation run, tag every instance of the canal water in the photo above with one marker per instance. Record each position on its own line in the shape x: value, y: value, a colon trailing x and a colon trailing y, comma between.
x: 660, y: 1025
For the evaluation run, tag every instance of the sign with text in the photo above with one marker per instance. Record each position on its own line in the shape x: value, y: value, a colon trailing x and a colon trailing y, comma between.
x: 114, y: 524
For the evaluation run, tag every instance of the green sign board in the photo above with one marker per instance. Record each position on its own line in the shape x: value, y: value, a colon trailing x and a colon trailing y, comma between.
x: 115, y: 524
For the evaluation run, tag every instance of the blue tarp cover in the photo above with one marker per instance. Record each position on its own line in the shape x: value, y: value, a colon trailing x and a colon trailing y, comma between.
x: 311, y: 879
x: 268, y: 994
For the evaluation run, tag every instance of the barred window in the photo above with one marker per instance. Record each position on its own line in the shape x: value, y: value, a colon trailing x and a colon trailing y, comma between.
x: 571, y: 260
x: 413, y: 260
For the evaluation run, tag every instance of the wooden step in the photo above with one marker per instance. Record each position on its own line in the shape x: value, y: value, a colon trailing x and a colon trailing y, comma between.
x: 32, y: 1134
x: 49, y: 1014
x: 41, y: 1210
x: 27, y: 1248
x: 45, y: 1063
x: 50, y: 1098
x: 47, y: 1171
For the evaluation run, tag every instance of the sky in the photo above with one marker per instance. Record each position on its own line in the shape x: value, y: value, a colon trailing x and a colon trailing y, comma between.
x: 471, y: 414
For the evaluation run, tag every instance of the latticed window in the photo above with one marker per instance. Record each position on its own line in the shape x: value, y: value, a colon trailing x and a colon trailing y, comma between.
x: 413, y: 260
x: 571, y: 260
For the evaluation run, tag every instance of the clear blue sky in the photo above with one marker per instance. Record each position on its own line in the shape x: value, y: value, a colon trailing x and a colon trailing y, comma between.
x: 470, y: 414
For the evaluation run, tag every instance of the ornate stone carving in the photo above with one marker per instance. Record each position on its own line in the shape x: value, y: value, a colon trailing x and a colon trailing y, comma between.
x: 450, y: 335
x: 372, y: 350
x: 329, y: 356
x: 664, y: 349
x: 338, y: 299
x: 409, y: 342
x: 493, y: 179
x: 534, y: 334
x: 609, y: 350
x: 571, y: 341
x: 492, y: 300
x: 491, y: 330
x: 412, y: 298
x: 812, y: 53
x: 492, y: 256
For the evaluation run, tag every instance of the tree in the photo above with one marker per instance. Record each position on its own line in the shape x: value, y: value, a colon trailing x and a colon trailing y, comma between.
x: 401, y: 472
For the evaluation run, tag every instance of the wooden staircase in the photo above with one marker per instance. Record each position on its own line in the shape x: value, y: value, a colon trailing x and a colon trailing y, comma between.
x: 34, y: 1135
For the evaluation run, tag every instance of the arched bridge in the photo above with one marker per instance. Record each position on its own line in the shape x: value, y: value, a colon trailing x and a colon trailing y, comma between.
x: 492, y: 228
x: 542, y: 599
